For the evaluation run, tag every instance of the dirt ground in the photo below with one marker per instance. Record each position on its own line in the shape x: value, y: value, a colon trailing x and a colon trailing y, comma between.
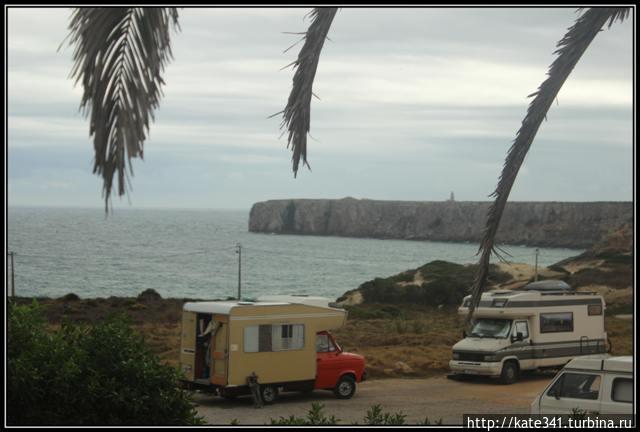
x: 436, y: 398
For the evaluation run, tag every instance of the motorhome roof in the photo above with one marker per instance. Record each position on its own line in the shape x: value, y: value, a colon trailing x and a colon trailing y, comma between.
x: 514, y: 295
x: 547, y: 285
x: 602, y: 362
x: 527, y: 303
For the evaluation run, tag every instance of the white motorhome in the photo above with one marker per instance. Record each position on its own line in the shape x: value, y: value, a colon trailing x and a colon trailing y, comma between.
x: 593, y: 384
x: 544, y: 324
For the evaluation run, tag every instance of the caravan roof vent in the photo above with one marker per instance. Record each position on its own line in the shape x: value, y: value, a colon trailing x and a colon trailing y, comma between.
x: 548, y: 285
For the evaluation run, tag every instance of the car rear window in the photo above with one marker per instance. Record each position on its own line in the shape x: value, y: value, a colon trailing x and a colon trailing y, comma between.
x: 622, y: 390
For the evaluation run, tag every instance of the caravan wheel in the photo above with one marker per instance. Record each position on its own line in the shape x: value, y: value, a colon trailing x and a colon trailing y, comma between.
x: 269, y: 394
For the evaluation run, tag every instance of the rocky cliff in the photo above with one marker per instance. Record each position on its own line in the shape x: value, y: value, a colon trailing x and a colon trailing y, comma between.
x: 551, y: 224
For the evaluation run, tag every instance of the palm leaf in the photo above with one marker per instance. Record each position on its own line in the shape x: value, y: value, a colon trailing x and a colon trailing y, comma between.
x: 119, y: 56
x: 296, y: 115
x: 569, y: 49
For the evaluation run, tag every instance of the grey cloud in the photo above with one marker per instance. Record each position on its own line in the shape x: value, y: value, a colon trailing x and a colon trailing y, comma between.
x: 415, y: 103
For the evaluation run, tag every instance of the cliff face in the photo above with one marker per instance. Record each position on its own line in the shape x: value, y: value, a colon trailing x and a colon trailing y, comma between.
x: 551, y: 224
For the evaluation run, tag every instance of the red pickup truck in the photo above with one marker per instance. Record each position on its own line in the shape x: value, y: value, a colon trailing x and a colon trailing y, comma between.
x: 337, y: 370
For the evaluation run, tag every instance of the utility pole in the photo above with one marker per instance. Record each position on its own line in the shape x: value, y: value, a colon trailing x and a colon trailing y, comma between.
x: 537, y: 252
x: 239, y: 252
x: 13, y: 285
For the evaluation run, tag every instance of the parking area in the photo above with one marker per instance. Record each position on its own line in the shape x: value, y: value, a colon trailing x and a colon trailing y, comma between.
x: 436, y: 398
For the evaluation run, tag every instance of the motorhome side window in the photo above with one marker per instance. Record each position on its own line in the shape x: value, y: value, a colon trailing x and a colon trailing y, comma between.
x: 277, y: 337
x: 556, y: 322
x: 595, y: 309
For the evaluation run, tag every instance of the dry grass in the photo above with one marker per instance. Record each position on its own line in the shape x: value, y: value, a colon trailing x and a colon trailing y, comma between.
x: 163, y: 339
x: 422, y: 339
x: 620, y: 334
x: 412, y: 341
x: 417, y: 344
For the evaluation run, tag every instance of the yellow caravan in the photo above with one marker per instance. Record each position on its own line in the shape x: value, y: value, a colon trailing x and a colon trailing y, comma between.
x: 281, y: 341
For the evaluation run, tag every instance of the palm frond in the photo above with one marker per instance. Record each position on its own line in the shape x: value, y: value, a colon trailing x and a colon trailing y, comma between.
x: 119, y: 56
x: 296, y: 115
x: 569, y: 50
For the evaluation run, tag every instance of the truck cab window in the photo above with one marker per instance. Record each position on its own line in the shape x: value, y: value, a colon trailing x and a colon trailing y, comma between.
x: 576, y: 386
x: 324, y: 344
x: 521, y: 327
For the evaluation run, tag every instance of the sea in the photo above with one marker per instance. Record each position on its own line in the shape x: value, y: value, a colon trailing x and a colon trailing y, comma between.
x: 194, y: 254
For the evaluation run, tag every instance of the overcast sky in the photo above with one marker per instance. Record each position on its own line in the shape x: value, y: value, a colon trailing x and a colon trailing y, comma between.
x: 415, y: 103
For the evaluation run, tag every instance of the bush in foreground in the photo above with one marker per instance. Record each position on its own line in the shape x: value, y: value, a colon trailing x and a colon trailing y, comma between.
x: 375, y: 416
x: 87, y: 375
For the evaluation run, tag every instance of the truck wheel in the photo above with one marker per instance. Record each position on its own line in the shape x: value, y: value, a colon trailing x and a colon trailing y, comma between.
x: 509, y: 373
x: 269, y: 394
x: 345, y: 388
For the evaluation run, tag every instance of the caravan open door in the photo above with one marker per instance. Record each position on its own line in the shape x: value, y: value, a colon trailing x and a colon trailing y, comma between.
x: 220, y: 351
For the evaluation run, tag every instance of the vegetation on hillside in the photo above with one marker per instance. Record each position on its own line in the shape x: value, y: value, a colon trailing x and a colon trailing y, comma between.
x: 433, y: 284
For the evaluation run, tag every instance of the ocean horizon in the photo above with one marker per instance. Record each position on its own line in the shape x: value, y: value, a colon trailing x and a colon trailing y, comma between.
x: 191, y: 253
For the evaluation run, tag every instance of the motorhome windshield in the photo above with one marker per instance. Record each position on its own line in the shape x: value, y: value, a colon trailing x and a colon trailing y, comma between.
x: 495, y: 328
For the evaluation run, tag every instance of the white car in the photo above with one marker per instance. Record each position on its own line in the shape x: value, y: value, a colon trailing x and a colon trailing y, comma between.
x: 594, y: 384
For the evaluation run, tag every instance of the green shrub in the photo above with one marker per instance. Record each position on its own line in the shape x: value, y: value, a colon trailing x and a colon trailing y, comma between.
x: 376, y: 417
x: 563, y: 277
x: 620, y: 278
x: 427, y: 422
x: 495, y: 275
x: 619, y: 309
x: 406, y: 276
x: 400, y: 326
x: 87, y: 375
x: 616, y: 257
x: 315, y: 417
x: 447, y: 283
x: 558, y: 269
x: 418, y: 326
x: 374, y: 311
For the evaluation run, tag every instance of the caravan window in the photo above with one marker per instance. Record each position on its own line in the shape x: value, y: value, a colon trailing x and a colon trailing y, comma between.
x: 556, y: 322
x: 268, y: 338
x: 251, y: 339
x: 287, y: 337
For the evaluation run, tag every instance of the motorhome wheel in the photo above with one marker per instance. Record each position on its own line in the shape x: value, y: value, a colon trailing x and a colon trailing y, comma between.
x: 345, y: 388
x: 509, y: 373
x: 269, y: 394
